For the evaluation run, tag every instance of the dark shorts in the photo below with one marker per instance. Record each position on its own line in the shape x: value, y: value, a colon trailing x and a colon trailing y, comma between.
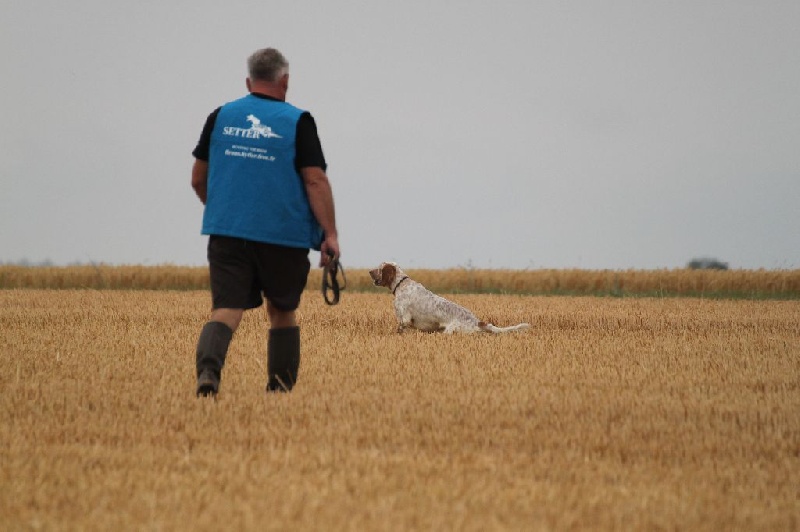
x: 243, y: 270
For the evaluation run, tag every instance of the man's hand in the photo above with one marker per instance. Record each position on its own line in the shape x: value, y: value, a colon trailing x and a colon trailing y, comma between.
x: 328, y: 250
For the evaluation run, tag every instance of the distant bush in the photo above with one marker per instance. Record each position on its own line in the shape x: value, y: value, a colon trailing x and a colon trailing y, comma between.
x: 707, y: 264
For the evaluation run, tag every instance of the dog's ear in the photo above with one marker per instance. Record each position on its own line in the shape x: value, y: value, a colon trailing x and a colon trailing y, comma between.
x: 388, y: 273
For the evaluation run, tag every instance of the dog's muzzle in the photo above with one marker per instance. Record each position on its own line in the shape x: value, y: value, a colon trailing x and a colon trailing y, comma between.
x: 376, y: 277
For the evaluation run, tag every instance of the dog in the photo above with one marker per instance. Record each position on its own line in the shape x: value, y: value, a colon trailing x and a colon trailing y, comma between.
x: 416, y: 306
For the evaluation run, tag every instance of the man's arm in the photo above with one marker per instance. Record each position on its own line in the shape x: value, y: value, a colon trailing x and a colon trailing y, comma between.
x: 200, y: 179
x: 320, y: 196
x: 201, y: 151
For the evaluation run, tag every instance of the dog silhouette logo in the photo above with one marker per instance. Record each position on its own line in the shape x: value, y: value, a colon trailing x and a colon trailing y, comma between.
x: 261, y: 129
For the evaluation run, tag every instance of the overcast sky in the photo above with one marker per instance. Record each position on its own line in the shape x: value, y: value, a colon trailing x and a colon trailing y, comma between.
x: 531, y: 134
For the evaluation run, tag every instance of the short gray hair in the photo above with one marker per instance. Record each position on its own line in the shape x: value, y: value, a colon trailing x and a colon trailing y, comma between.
x: 267, y: 64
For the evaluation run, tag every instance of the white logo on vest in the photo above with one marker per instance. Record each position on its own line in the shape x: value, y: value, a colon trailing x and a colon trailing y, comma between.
x: 257, y: 130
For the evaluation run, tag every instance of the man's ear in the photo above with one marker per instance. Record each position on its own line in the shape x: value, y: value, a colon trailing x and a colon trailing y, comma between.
x: 249, y: 85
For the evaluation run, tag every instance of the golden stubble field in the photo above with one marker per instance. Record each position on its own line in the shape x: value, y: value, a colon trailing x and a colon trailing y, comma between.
x: 607, y: 414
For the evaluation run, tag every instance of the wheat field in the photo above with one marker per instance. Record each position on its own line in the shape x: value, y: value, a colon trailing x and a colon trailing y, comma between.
x: 608, y: 414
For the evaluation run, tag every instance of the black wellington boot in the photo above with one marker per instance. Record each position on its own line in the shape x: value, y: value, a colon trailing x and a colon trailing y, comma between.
x: 212, y: 347
x: 283, y: 358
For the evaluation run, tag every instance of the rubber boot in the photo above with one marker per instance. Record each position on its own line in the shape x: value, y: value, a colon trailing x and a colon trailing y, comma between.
x: 212, y: 348
x: 283, y: 358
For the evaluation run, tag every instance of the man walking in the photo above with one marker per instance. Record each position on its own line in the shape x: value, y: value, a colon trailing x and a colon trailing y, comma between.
x: 260, y: 172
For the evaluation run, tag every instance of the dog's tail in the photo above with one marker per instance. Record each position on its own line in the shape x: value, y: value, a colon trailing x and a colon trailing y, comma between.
x: 488, y: 327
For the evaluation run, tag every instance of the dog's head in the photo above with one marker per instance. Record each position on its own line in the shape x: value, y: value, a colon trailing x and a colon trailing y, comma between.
x: 385, y: 274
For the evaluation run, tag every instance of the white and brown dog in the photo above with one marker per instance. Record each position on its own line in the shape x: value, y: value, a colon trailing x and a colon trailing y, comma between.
x: 418, y: 307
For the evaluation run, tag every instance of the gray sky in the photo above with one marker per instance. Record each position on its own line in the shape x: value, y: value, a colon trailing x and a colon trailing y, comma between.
x: 530, y: 134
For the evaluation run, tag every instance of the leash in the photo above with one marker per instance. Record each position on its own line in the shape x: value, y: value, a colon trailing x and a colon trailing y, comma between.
x: 329, y: 281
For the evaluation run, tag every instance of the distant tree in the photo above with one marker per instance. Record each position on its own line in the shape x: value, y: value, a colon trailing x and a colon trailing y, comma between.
x: 27, y: 263
x: 707, y: 264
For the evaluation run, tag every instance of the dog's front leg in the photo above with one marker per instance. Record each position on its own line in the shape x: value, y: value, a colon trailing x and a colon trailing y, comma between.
x: 403, y: 322
x: 403, y: 318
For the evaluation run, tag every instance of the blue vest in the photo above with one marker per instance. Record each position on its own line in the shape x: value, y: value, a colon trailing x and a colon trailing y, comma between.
x: 254, y: 190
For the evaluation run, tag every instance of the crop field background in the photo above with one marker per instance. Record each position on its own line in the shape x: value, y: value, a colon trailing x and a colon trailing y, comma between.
x: 609, y: 413
x: 750, y: 284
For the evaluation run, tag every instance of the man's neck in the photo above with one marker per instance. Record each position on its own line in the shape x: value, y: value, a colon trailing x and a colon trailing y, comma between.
x: 265, y: 96
x: 266, y: 88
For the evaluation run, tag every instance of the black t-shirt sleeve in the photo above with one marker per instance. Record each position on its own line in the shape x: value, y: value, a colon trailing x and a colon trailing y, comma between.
x: 307, y: 144
x: 203, y: 147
